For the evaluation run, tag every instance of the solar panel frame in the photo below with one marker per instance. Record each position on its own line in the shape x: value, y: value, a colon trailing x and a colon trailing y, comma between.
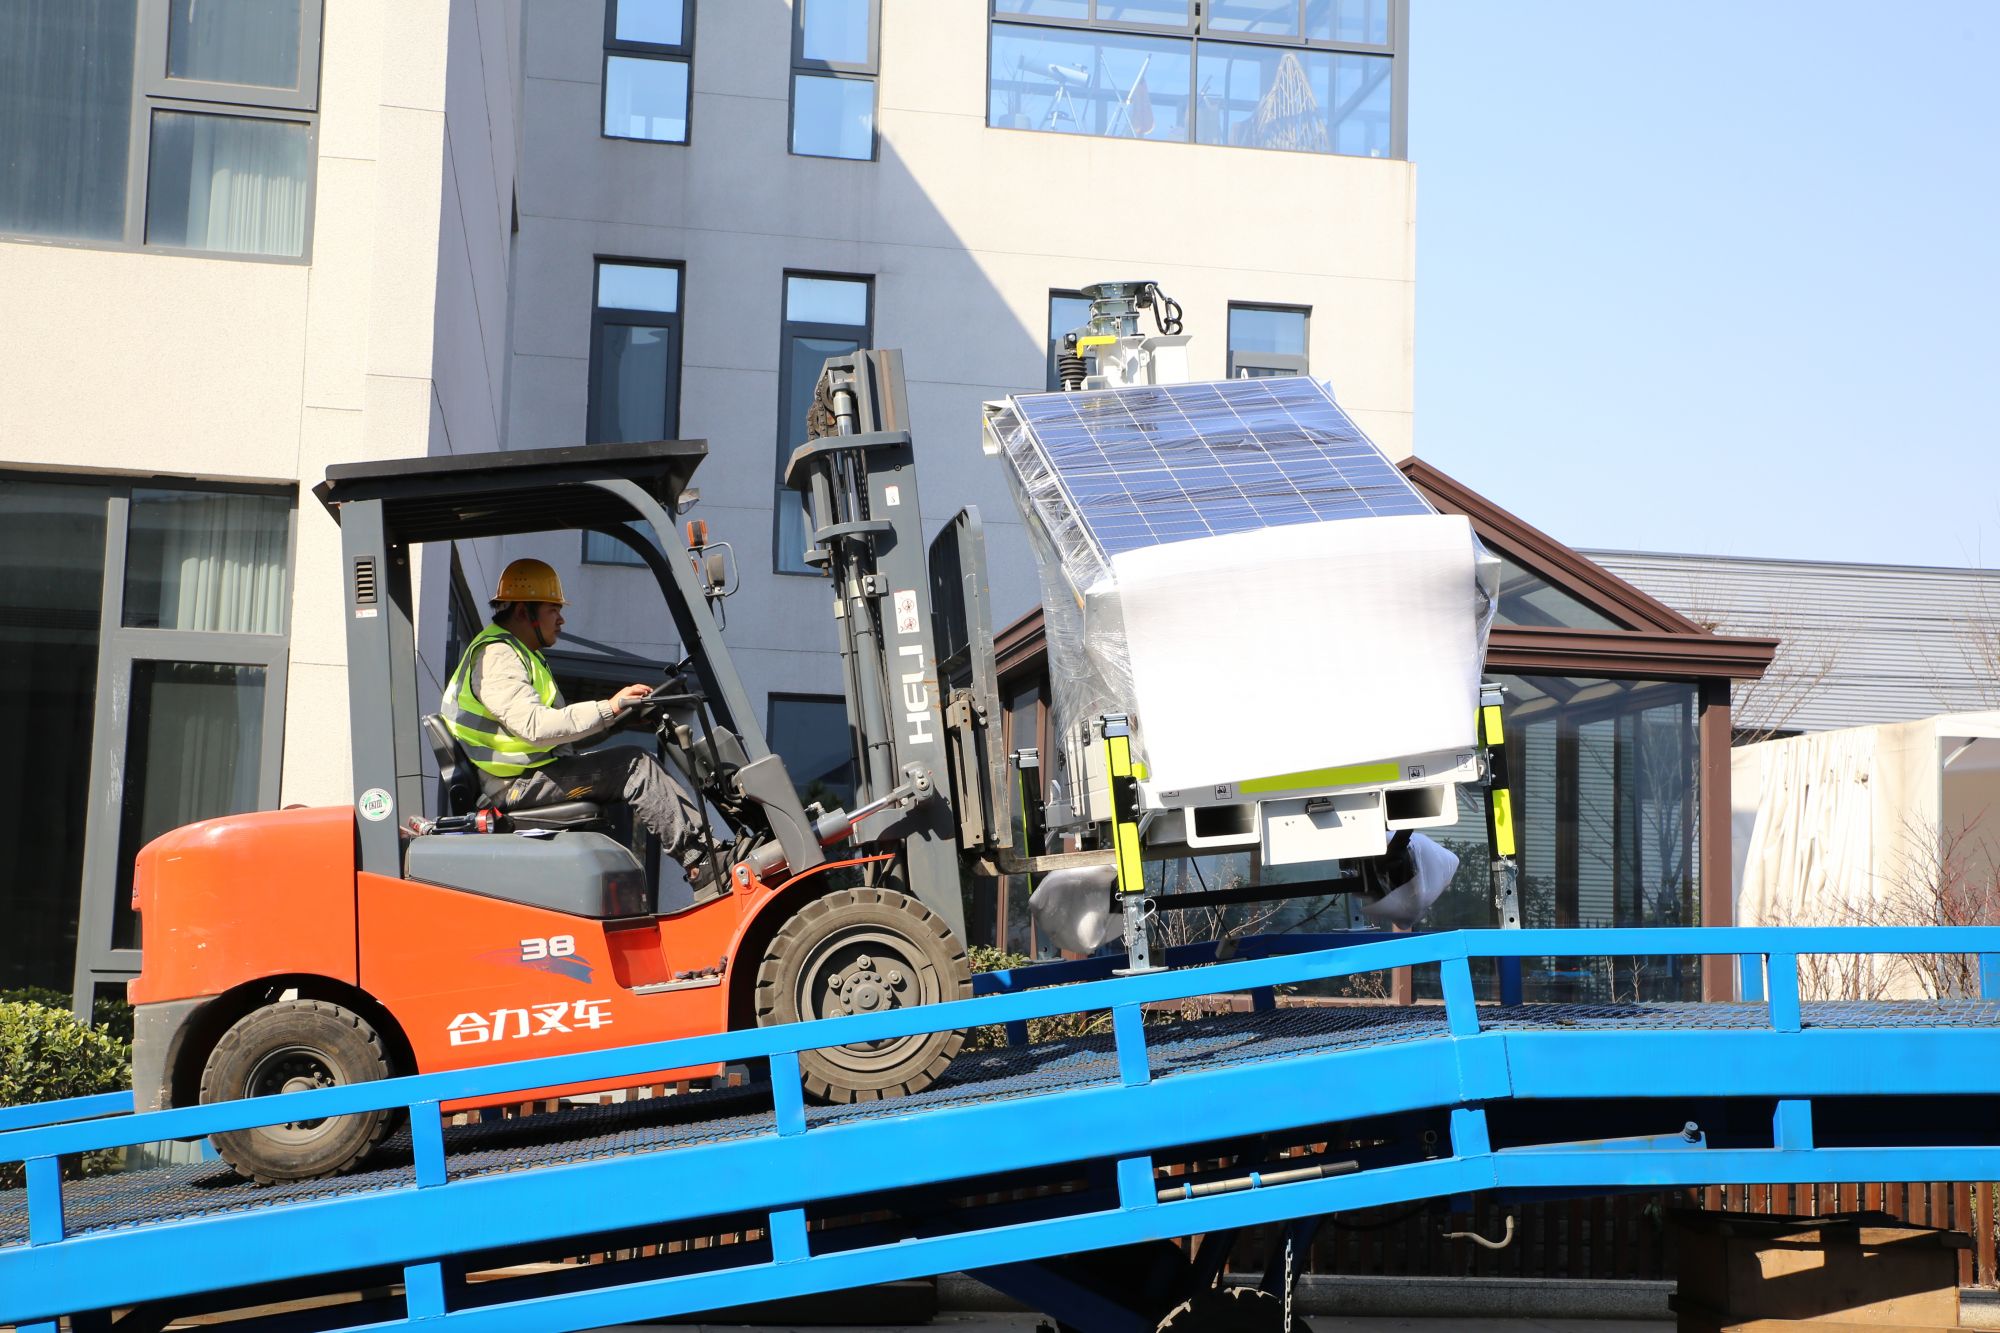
x: 1151, y: 464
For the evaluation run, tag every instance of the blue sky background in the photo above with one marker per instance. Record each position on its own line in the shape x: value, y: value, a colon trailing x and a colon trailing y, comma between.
x: 1716, y: 278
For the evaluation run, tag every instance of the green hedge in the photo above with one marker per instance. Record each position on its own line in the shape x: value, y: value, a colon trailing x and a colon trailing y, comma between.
x: 112, y: 1015
x: 46, y: 1055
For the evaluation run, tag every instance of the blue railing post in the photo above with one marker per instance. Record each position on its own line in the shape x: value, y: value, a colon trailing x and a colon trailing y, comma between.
x: 427, y: 1143
x: 1461, y: 1005
x: 1469, y: 1134
x: 788, y: 1236
x: 1128, y: 1029
x: 423, y: 1291
x: 1750, y: 976
x: 1135, y: 1183
x: 1510, y: 981
x: 788, y: 1093
x: 1781, y: 977
x: 1989, y: 976
x: 1791, y: 1126
x: 45, y: 1202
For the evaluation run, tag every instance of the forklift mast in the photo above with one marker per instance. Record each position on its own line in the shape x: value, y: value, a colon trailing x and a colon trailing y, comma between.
x: 916, y: 646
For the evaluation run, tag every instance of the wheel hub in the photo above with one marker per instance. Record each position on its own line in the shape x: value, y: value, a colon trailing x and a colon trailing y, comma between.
x: 864, y: 969
x: 292, y: 1069
x: 866, y: 991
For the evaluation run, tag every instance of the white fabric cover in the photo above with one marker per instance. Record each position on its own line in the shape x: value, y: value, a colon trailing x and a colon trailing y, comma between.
x: 1296, y: 648
x: 1402, y: 905
x: 1072, y: 908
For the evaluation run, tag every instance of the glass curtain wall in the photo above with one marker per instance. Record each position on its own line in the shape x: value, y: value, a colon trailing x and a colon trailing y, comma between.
x: 1605, y: 780
x: 52, y: 548
x: 143, y: 644
x: 1307, y: 76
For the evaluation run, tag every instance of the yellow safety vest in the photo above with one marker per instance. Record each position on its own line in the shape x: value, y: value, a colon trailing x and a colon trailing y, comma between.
x: 486, y: 743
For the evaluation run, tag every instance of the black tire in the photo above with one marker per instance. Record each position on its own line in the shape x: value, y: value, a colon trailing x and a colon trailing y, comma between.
x: 889, y: 952
x: 1231, y: 1310
x: 293, y: 1046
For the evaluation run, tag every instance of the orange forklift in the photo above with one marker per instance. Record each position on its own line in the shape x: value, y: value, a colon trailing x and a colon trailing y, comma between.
x: 304, y: 948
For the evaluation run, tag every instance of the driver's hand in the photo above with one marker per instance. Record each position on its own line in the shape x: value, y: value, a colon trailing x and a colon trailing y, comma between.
x: 629, y: 696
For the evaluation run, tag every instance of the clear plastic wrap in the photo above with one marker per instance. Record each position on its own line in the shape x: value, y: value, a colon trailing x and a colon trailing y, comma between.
x: 1103, y: 477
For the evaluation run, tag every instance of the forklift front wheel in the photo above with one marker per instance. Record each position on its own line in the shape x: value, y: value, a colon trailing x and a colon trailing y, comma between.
x: 297, y: 1046
x: 862, y: 951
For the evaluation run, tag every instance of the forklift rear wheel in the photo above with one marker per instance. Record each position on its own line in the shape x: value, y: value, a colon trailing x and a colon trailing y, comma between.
x: 1230, y: 1310
x: 297, y: 1046
x: 861, y: 951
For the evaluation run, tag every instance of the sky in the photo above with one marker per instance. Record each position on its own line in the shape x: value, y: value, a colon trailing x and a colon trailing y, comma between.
x: 1718, y: 278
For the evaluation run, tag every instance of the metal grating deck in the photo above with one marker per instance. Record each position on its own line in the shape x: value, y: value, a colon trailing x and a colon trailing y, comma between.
x: 660, y: 1124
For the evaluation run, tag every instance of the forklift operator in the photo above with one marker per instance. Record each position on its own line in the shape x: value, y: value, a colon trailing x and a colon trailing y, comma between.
x: 503, y: 707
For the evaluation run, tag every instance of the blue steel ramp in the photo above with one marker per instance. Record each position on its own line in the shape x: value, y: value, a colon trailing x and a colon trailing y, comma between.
x: 1025, y: 1153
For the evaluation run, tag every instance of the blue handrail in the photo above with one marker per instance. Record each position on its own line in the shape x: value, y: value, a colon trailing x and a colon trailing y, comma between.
x: 1777, y: 948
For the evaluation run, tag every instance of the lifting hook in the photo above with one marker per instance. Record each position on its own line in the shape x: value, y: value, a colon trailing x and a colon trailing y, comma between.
x: 1506, y: 1237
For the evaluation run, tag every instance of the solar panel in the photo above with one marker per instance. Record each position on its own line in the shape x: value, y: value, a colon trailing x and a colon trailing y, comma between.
x: 1152, y: 464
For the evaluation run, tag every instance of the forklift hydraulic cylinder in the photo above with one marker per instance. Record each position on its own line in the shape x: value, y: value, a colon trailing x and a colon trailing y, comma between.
x: 831, y: 827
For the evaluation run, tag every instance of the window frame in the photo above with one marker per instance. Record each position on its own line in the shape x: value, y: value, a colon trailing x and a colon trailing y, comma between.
x: 602, y: 316
x: 1284, y: 362
x: 624, y: 557
x: 868, y: 71
x: 680, y: 53
x: 1196, y: 31
x: 154, y: 90
x: 789, y: 331
x: 153, y: 57
x: 99, y: 959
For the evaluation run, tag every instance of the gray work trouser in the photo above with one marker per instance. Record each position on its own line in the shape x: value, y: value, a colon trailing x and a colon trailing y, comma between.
x: 616, y: 773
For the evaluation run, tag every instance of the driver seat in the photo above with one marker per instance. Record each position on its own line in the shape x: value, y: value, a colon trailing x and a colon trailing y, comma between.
x: 461, y: 788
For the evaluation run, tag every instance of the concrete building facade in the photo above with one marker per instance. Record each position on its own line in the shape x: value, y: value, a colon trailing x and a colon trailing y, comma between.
x: 949, y: 235
x: 216, y: 286
x: 235, y: 253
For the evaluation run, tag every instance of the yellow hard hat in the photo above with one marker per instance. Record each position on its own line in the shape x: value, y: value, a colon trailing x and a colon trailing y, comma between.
x: 529, y: 580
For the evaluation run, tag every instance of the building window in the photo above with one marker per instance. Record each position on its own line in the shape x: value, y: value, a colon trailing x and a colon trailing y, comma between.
x: 177, y: 124
x: 635, y: 353
x: 599, y: 549
x: 143, y: 640
x: 809, y: 732
x: 1068, y: 311
x: 1315, y: 76
x: 1266, y: 340
x: 648, y: 65
x: 835, y: 55
x: 825, y: 316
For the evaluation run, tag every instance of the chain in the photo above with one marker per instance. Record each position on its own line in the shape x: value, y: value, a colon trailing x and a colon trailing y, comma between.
x: 1288, y: 1280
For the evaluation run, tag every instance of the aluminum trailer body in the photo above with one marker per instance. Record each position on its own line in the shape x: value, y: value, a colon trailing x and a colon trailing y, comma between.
x: 1026, y: 1155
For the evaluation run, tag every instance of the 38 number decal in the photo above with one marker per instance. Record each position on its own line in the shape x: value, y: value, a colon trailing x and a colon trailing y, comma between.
x: 555, y: 946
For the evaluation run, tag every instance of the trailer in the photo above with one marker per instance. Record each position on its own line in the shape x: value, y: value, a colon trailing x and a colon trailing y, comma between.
x: 1059, y: 1171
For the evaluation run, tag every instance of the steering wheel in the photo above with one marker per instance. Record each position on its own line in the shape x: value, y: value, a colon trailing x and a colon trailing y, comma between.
x: 670, y: 693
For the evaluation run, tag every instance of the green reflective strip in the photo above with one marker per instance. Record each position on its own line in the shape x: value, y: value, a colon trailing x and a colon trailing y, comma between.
x: 1350, y: 776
